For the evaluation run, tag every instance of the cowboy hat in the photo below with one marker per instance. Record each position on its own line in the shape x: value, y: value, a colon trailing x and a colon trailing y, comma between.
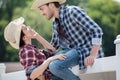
x: 12, y: 32
x: 39, y: 3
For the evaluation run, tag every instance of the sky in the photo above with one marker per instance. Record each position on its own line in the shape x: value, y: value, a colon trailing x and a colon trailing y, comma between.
x: 117, y: 0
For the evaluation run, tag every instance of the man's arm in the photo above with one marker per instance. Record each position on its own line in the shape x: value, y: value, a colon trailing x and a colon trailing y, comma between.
x: 93, y: 54
x: 89, y: 25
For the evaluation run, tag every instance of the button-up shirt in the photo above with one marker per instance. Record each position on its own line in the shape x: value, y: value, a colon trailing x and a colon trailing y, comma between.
x: 80, y: 30
x: 31, y: 57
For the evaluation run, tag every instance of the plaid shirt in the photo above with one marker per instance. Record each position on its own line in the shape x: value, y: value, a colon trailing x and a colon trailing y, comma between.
x: 80, y: 30
x: 31, y: 57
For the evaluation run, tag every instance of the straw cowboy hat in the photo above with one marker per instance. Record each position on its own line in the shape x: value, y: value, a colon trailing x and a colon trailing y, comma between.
x: 12, y: 32
x: 39, y: 3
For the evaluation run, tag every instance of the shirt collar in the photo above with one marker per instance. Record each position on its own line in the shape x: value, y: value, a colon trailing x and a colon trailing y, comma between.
x: 28, y: 45
x: 61, y: 13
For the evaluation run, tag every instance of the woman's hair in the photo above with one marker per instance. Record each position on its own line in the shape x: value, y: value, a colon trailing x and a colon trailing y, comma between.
x: 57, y: 4
x: 22, y: 43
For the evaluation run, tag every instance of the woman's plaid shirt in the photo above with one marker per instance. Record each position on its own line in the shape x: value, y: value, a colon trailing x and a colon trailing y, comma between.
x: 31, y: 57
x: 80, y: 30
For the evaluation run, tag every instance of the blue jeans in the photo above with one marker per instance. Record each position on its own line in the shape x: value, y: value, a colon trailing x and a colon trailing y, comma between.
x: 60, y: 68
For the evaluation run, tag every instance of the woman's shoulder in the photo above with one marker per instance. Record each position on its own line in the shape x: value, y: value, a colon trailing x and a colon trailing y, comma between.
x: 27, y: 49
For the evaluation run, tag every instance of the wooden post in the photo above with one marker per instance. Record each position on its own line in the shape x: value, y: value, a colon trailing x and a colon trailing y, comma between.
x: 117, y: 42
x: 2, y: 68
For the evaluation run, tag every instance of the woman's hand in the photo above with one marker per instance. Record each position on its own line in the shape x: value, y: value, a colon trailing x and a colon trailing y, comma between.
x: 59, y: 56
x: 30, y: 32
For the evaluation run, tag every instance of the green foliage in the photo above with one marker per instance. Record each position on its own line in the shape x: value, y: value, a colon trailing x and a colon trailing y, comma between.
x: 21, y: 8
x: 35, y: 21
x: 81, y: 3
x: 6, y: 13
x: 117, y: 23
x: 73, y: 2
x: 105, y: 12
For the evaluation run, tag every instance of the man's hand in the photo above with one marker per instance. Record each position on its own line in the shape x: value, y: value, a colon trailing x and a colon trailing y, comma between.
x: 89, y: 61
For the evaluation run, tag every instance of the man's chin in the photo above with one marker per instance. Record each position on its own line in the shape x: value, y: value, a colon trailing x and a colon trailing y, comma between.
x: 48, y: 18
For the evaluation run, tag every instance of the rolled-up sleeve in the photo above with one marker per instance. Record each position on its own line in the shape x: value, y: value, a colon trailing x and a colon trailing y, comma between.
x: 88, y: 24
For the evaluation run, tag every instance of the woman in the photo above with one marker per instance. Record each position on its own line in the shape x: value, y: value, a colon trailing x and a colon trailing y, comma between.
x: 35, y: 61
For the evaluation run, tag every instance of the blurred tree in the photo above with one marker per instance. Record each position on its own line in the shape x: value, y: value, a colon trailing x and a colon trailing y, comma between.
x: 35, y: 21
x: 73, y: 2
x: 118, y: 23
x: 82, y: 3
x: 6, y: 13
x: 107, y: 14
x: 32, y: 18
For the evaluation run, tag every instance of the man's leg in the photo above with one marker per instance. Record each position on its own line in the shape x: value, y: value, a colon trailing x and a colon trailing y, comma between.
x: 61, y: 69
x: 53, y: 77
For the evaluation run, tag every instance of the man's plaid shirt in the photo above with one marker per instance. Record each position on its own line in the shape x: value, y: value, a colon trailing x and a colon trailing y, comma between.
x: 80, y: 30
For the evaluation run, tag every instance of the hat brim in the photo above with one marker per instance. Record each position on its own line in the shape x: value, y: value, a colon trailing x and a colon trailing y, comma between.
x: 17, y: 36
x: 14, y: 26
x: 39, y: 3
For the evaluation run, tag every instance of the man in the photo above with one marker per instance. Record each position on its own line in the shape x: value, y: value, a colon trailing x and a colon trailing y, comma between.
x: 72, y: 29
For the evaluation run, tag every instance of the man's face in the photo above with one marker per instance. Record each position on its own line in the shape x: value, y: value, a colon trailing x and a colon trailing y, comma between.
x: 46, y: 11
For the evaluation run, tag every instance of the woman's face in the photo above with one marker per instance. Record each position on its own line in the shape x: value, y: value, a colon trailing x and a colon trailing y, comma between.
x: 27, y: 31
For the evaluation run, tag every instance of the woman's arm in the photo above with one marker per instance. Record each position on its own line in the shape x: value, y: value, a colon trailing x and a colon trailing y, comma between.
x: 45, y: 43
x: 40, y: 69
